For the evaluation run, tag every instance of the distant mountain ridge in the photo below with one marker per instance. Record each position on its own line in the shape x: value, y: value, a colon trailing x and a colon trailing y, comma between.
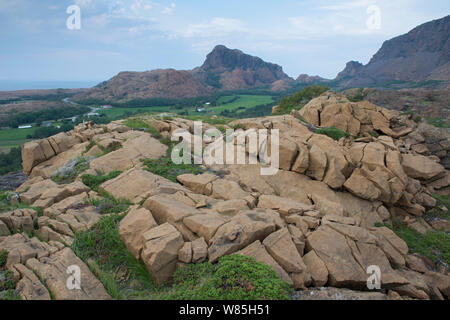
x: 224, y: 69
x: 420, y: 55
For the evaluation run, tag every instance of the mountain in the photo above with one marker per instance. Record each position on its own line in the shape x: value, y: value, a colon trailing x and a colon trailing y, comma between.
x: 421, y: 54
x: 307, y: 79
x: 224, y: 69
x: 161, y: 83
x: 227, y: 69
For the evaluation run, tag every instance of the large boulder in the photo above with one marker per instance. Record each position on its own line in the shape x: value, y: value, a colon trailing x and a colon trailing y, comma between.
x: 421, y: 167
x: 52, y: 271
x: 136, y: 185
x: 133, y: 226
x: 240, y: 231
x: 160, y: 252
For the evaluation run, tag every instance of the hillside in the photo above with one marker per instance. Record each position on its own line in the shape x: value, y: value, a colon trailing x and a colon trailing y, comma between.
x: 109, y: 199
x: 223, y: 70
x: 423, y: 54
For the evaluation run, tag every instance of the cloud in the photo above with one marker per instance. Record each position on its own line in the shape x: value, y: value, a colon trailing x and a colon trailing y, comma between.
x: 170, y: 9
x: 216, y: 27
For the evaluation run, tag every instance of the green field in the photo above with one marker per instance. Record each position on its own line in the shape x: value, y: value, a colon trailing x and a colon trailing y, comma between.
x: 116, y: 113
x: 246, y: 101
x: 11, y: 138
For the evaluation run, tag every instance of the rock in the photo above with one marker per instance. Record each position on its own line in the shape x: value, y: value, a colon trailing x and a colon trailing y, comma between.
x: 257, y: 251
x: 338, y: 219
x: 242, y: 230
x: 36, y: 190
x: 330, y: 293
x: 144, y: 146
x: 282, y: 205
x: 64, y: 205
x: 160, y: 253
x: 198, y: 183
x: 230, y: 207
x: 281, y: 247
x: 416, y: 263
x: 168, y: 210
x: 421, y: 167
x: 316, y: 269
x: 4, y: 231
x: 30, y: 287
x: 199, y: 250
x: 52, y: 271
x: 331, y: 247
x: 133, y: 226
x: 317, y: 163
x: 227, y: 190
x: 205, y: 225
x: 19, y: 219
x: 185, y: 253
x: 362, y: 187
x: 301, y: 164
x: 136, y: 185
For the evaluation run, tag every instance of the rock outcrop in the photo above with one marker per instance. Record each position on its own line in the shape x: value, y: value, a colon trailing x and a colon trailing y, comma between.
x: 317, y: 221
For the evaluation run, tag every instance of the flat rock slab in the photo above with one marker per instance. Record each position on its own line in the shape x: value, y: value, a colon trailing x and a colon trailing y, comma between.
x: 53, y: 272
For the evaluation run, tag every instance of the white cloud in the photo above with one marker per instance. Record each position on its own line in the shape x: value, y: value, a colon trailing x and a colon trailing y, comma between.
x: 170, y: 9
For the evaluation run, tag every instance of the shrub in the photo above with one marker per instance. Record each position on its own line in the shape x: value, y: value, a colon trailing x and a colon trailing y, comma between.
x: 122, y: 275
x: 3, y: 257
x: 108, y: 204
x: 333, y: 133
x: 94, y: 182
x: 433, y: 244
x: 69, y: 172
x: 165, y: 167
x: 11, y: 161
x: 235, y: 277
x: 139, y: 124
x: 300, y: 99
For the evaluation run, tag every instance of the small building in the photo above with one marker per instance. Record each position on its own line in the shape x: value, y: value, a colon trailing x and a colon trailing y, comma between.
x: 93, y: 114
x: 26, y: 126
x: 200, y: 109
x: 106, y: 107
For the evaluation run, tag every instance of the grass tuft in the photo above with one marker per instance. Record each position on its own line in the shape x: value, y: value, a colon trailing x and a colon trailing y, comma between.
x: 333, y: 133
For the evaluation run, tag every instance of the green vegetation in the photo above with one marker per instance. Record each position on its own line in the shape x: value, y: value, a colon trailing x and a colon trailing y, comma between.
x: 45, y: 132
x: 433, y: 245
x: 333, y: 133
x: 374, y: 134
x: 108, y: 204
x: 299, y: 99
x: 94, y: 182
x: 122, y: 275
x: 8, y: 284
x: 139, y: 124
x: 359, y: 96
x: 46, y: 114
x: 235, y: 277
x: 165, y: 167
x: 11, y: 161
x: 437, y: 212
x: 439, y: 123
x: 3, y: 257
x: 7, y: 205
x: 81, y: 165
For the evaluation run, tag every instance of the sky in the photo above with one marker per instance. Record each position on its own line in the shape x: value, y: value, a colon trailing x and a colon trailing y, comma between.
x: 315, y: 37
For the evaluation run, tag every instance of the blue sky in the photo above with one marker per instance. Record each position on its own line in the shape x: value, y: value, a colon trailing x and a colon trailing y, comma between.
x: 312, y: 36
